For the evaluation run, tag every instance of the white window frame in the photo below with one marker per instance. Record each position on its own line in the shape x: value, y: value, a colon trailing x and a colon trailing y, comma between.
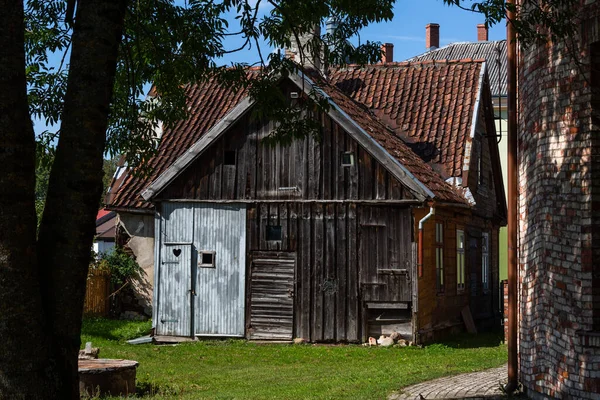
x: 439, y: 256
x: 485, y: 261
x: 460, y: 260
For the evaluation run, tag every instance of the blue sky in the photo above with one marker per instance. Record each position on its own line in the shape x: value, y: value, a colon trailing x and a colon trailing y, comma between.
x: 407, y: 30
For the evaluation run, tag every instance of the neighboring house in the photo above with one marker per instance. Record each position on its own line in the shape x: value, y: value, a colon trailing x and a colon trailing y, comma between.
x: 559, y: 213
x: 494, y: 53
x: 104, y: 240
x: 320, y: 239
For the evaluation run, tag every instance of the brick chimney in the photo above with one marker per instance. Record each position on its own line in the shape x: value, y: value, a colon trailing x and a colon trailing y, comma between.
x: 482, y: 33
x: 432, y: 36
x: 300, y: 53
x: 387, y: 50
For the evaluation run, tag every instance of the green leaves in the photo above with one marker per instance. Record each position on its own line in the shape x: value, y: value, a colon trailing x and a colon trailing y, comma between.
x: 535, y: 19
x: 168, y: 45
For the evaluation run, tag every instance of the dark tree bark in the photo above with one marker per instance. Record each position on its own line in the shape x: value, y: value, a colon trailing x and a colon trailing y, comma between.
x: 42, y: 285
x: 68, y: 226
x: 23, y: 348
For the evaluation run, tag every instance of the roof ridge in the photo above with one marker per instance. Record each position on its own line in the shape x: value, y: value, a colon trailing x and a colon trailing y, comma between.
x: 409, y: 63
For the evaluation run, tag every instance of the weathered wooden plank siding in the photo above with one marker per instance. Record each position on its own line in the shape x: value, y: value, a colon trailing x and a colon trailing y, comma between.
x: 331, y: 281
x: 309, y: 168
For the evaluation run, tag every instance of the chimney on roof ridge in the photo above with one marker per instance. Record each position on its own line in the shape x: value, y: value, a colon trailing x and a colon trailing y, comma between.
x: 432, y: 36
x: 387, y: 50
x: 482, y: 33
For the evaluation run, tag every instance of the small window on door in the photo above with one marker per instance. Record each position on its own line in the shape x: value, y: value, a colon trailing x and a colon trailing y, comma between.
x: 273, y: 233
x: 206, y: 259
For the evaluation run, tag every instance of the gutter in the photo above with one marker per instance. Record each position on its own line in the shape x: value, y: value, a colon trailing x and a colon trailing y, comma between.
x: 420, y: 254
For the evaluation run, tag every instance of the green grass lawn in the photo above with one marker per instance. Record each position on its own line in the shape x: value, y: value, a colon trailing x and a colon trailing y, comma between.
x: 237, y: 369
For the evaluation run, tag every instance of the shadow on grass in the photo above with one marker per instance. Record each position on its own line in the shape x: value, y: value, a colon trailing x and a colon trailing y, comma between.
x: 471, y: 341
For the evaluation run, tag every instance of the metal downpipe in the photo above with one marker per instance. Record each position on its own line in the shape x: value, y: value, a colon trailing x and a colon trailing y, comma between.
x: 513, y: 365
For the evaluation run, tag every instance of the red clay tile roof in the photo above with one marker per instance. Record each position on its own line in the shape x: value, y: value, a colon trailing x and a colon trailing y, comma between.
x: 414, y: 98
x: 392, y: 144
x: 208, y: 102
x: 428, y: 104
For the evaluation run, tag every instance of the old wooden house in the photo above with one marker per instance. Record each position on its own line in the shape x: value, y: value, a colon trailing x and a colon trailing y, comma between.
x: 387, y: 222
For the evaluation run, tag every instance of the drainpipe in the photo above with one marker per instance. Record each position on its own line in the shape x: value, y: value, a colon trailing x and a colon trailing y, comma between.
x: 513, y: 376
x: 420, y: 255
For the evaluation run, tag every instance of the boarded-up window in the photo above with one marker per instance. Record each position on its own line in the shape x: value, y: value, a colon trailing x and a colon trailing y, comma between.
x: 460, y: 260
x: 485, y: 261
x: 439, y: 256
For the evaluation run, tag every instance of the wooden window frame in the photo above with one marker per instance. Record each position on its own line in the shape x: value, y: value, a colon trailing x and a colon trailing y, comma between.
x: 439, y: 257
x: 485, y: 262
x: 200, y: 259
x: 460, y: 261
x: 352, y: 159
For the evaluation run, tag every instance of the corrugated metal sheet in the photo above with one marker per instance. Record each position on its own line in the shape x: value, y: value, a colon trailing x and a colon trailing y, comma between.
x: 493, y: 52
x: 174, y: 313
x: 217, y: 303
x: 220, y: 291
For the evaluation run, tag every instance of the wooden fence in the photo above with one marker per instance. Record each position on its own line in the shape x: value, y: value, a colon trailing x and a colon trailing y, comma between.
x: 96, y: 294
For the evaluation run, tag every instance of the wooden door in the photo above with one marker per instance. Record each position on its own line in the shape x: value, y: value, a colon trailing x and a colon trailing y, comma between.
x: 272, y: 296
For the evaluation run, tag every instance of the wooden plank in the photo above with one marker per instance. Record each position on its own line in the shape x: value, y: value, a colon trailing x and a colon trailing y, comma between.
x: 318, y: 235
x: 197, y: 148
x: 253, y: 236
x: 251, y: 150
x: 283, y: 221
x: 327, y: 159
x: 273, y: 219
x: 305, y: 263
x: 352, y: 324
x: 272, y: 301
x: 380, y: 182
x: 216, y: 166
x: 351, y: 173
x: 341, y: 271
x: 242, y: 161
x: 366, y: 175
x: 339, y: 146
x: 263, y: 221
x: 314, y: 168
x: 292, y: 226
x: 330, y: 276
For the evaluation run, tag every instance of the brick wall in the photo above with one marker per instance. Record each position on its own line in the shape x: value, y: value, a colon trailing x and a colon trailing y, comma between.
x: 559, y: 349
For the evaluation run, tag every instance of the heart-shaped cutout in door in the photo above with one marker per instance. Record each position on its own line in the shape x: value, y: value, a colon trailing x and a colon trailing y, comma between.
x: 176, y: 252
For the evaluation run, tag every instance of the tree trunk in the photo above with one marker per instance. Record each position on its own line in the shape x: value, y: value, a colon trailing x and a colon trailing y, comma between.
x: 68, y: 223
x: 23, y: 347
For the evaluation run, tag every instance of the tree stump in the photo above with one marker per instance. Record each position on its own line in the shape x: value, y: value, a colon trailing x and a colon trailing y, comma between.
x: 105, y: 376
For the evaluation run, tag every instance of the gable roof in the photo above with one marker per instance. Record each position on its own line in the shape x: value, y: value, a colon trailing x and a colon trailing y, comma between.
x: 493, y: 52
x: 209, y: 102
x: 394, y: 146
x: 214, y: 108
x: 431, y: 105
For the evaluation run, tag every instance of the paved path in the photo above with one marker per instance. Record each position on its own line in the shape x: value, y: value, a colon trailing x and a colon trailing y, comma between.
x: 476, y: 385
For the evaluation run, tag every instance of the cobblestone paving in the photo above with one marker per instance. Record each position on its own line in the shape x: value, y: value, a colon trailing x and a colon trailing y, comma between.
x: 476, y: 385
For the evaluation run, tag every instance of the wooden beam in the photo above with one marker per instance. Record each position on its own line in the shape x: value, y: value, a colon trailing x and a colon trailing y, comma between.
x: 394, y: 166
x: 197, y: 148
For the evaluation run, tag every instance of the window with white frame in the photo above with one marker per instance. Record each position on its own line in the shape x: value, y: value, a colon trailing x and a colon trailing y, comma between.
x: 485, y: 261
x: 460, y: 260
x: 439, y: 256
